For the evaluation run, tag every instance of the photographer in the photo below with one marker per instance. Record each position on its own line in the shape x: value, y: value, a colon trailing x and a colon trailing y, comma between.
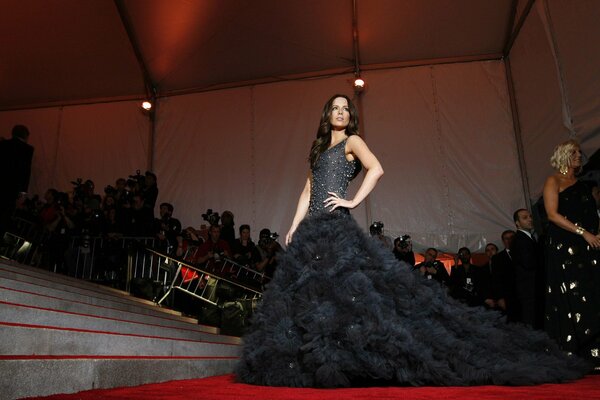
x: 244, y: 250
x: 60, y: 229
x: 188, y: 243
x: 49, y: 211
x: 376, y: 230
x: 403, y: 250
x: 120, y: 192
x: 137, y: 219
x: 432, y: 268
x: 61, y: 222
x: 268, y: 248
x: 111, y: 226
x: 166, y: 228
x: 149, y: 190
x: 469, y: 283
x: 214, y: 248
x: 92, y: 218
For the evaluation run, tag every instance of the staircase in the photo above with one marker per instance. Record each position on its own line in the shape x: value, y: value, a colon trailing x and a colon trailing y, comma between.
x: 64, y: 335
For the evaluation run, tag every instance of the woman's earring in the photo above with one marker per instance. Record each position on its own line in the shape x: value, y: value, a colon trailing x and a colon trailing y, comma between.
x: 563, y: 169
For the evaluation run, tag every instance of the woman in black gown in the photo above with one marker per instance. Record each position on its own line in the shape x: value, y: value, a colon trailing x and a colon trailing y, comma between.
x: 572, y: 258
x: 342, y: 311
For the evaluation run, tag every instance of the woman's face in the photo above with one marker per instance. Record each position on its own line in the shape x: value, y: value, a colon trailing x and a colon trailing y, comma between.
x: 340, y: 113
x: 576, y: 158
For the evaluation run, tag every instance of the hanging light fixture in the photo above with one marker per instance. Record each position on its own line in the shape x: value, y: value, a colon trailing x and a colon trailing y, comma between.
x: 359, y: 83
x: 147, y: 105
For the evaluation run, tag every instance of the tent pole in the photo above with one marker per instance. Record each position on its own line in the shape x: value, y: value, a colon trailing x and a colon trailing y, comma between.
x: 149, y: 85
x: 515, y: 32
x: 358, y: 93
x: 517, y: 130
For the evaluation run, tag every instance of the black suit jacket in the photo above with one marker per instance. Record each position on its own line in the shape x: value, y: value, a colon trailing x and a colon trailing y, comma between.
x: 526, y: 253
x: 472, y: 287
x: 503, y: 276
x: 528, y: 260
x: 15, y: 166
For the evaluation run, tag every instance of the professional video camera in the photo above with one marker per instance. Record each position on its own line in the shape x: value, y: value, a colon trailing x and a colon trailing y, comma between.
x: 376, y: 228
x: 137, y: 179
x: 404, y: 241
x: 78, y: 190
x: 211, y: 217
x: 266, y: 238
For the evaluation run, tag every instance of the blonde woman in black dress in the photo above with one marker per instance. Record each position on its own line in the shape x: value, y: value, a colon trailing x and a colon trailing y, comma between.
x: 572, y: 258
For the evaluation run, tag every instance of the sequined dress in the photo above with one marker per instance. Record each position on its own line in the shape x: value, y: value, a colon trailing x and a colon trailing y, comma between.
x: 332, y: 173
x: 573, y: 278
x: 342, y: 311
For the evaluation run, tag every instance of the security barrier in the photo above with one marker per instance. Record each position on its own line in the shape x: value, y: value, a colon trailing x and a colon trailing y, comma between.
x: 215, y: 283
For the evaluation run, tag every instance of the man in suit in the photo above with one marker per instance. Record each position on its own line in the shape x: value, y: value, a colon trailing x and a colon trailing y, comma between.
x: 503, y: 281
x: 432, y: 268
x: 15, y: 170
x: 527, y: 257
x: 469, y: 283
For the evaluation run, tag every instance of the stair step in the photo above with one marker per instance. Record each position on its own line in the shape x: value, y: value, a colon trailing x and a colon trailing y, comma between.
x: 72, y: 285
x: 25, y: 293
x: 19, y: 339
x: 30, y: 376
x: 35, y: 315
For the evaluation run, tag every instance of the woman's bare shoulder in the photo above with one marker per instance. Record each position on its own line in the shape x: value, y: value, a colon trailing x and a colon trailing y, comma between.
x: 355, y: 142
x: 355, y: 139
x: 553, y: 183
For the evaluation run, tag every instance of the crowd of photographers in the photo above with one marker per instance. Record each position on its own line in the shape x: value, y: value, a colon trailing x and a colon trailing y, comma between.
x: 471, y: 284
x: 127, y: 210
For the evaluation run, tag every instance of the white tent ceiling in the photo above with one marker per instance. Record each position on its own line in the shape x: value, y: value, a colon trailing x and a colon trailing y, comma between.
x: 73, y: 51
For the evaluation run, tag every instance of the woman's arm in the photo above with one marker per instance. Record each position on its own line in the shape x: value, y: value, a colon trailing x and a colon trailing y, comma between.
x: 301, y: 210
x: 359, y: 149
x: 551, y: 190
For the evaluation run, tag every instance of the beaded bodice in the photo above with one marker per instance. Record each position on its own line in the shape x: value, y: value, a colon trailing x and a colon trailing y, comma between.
x: 331, y: 173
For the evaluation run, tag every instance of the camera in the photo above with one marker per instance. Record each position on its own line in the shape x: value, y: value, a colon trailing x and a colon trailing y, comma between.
x: 78, y: 190
x: 376, y: 228
x: 267, y: 237
x: 137, y: 179
x: 469, y: 286
x: 403, y: 241
x: 211, y: 217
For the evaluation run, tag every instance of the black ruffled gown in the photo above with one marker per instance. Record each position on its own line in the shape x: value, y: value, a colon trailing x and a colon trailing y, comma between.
x: 342, y: 311
x: 573, y: 278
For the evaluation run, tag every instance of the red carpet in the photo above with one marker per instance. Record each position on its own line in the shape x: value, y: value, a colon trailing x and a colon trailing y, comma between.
x: 224, y: 388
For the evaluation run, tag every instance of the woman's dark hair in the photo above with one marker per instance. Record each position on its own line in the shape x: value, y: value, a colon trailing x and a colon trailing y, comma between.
x: 323, y: 139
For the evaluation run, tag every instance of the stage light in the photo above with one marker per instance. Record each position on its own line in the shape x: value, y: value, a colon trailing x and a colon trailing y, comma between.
x: 359, y: 84
x: 146, y: 105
